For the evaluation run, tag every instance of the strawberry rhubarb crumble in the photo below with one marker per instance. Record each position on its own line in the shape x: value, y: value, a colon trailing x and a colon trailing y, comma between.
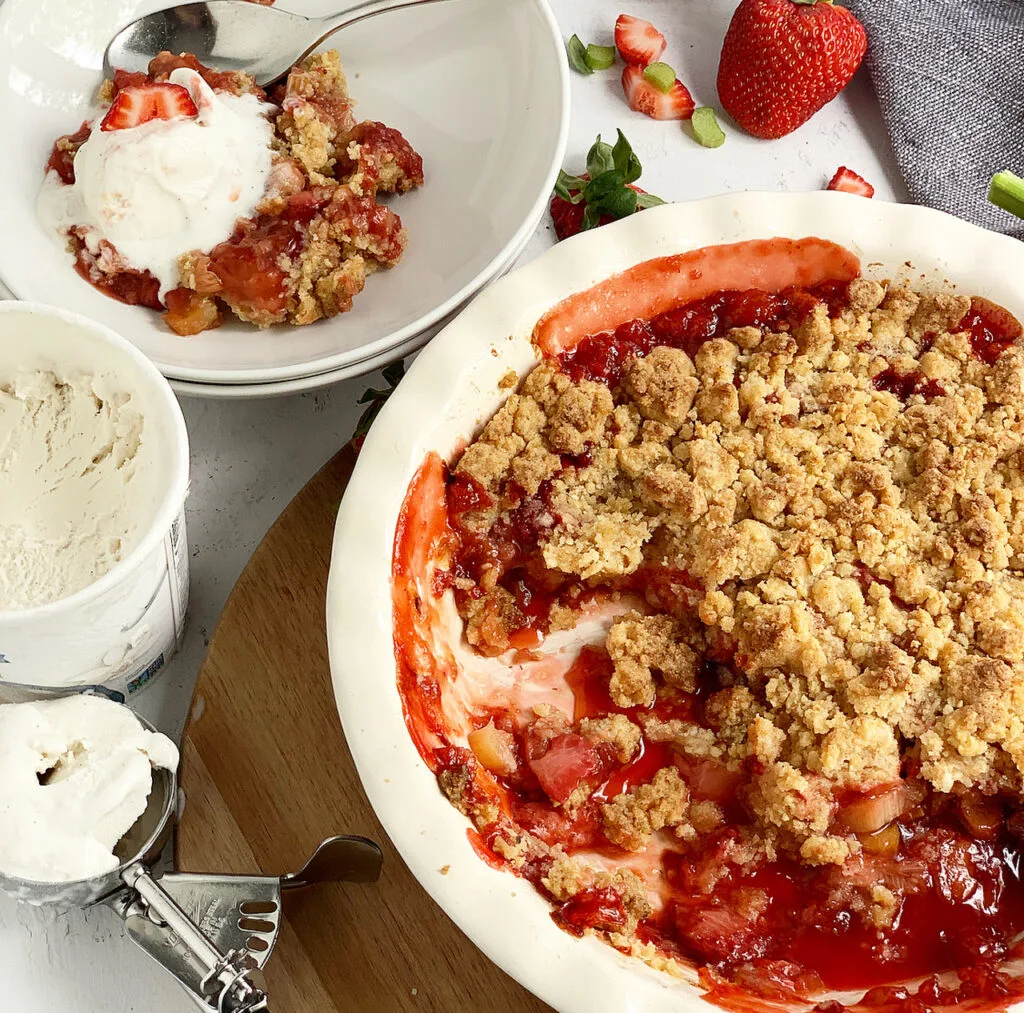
x: 197, y: 193
x: 716, y: 630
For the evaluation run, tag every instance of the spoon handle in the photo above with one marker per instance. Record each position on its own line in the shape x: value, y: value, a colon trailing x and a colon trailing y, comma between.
x: 358, y: 12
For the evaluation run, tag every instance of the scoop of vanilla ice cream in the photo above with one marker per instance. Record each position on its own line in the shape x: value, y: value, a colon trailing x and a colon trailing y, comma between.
x: 75, y: 775
x: 167, y: 187
x: 79, y: 483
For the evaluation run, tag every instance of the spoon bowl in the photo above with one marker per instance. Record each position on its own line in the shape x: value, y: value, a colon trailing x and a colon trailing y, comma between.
x: 265, y: 42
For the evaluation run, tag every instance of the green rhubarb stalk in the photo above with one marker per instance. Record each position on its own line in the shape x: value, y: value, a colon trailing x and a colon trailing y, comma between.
x: 705, y: 128
x: 1007, y: 191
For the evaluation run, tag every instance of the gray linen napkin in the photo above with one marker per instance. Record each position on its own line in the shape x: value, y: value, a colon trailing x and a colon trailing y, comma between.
x: 950, y: 80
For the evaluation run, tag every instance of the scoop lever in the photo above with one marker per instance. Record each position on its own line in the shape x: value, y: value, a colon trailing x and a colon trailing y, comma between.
x: 338, y: 860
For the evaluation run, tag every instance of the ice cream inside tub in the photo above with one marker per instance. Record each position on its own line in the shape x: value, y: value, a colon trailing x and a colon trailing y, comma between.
x: 80, y: 482
x: 75, y: 775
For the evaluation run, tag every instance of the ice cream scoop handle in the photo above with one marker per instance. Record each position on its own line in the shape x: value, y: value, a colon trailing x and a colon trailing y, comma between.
x: 218, y: 981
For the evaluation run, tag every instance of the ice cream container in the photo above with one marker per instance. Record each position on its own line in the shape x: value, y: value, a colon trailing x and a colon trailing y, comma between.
x: 93, y: 478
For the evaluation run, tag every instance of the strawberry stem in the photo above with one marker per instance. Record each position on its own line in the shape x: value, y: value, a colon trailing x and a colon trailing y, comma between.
x: 605, y: 191
x: 1007, y: 192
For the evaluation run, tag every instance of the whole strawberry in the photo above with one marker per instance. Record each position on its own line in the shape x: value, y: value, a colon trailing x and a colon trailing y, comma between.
x: 783, y: 60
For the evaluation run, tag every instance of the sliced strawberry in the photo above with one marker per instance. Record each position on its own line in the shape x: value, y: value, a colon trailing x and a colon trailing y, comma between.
x: 136, y: 105
x: 569, y: 760
x: 643, y: 97
x: 849, y: 182
x: 638, y: 42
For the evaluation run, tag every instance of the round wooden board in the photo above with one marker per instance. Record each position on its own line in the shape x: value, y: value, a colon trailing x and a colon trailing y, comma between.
x: 267, y: 775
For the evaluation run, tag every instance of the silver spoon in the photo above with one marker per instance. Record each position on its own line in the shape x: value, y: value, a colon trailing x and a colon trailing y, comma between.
x: 235, y: 35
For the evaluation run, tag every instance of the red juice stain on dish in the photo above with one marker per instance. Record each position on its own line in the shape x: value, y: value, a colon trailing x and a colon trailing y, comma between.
x: 135, y: 288
x: 419, y: 536
x: 602, y: 356
x: 657, y: 286
x: 964, y: 900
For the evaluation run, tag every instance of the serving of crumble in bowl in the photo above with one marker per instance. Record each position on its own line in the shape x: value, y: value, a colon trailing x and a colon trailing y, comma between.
x: 244, y: 237
x: 684, y: 630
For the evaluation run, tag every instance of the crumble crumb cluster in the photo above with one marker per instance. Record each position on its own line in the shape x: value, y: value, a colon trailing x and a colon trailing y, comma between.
x: 836, y: 517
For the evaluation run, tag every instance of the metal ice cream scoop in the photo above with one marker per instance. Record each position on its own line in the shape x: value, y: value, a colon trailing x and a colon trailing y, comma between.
x: 236, y: 35
x: 209, y: 931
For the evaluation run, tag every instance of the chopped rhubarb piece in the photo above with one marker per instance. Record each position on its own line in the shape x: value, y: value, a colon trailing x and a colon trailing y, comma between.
x: 62, y: 158
x: 869, y: 812
x: 592, y: 908
x: 981, y: 815
x: 661, y: 75
x: 706, y: 130
x: 494, y: 748
x: 600, y: 57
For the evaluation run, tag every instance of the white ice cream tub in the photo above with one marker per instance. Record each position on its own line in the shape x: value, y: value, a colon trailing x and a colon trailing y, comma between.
x: 122, y: 628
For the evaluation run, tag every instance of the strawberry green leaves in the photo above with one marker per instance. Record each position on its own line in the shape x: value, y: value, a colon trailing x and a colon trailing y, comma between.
x: 604, y: 193
x: 374, y: 398
x: 577, y: 54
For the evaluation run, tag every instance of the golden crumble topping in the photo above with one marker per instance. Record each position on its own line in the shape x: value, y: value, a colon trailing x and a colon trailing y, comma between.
x: 837, y: 514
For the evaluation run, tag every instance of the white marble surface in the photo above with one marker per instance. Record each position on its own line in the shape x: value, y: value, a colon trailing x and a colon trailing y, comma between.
x: 250, y: 458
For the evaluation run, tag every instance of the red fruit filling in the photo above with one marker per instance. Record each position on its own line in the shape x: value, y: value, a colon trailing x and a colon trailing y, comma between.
x: 934, y: 883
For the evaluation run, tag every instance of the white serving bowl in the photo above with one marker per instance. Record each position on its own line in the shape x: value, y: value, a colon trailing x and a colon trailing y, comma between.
x: 449, y: 391
x: 480, y: 88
